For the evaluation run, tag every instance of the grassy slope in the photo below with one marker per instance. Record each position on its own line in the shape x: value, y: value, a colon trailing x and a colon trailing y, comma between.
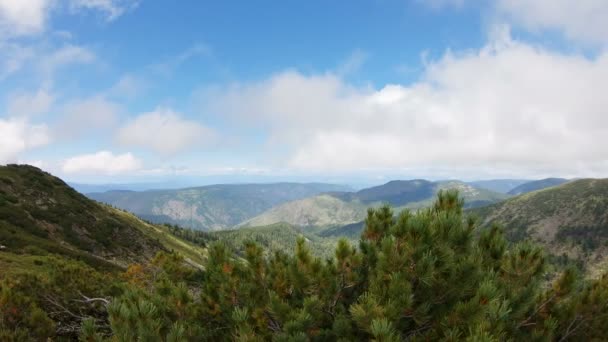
x: 40, y: 214
x: 570, y: 219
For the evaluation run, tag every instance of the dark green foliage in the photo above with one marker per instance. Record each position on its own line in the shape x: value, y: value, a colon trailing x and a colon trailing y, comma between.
x: 423, y: 276
x: 198, y: 237
x: 275, y: 237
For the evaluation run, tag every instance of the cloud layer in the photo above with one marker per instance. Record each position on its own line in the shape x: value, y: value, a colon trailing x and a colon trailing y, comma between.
x: 165, y: 132
x: 580, y: 20
x: 102, y: 162
x: 18, y: 136
x: 508, y: 105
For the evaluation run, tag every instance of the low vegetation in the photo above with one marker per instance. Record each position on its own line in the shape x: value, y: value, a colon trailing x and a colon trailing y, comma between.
x: 429, y: 275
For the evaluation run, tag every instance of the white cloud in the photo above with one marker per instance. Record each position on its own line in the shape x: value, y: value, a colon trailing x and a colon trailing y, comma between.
x: 29, y: 17
x: 22, y: 17
x: 40, y: 59
x: 88, y: 115
x: 164, y: 131
x: 509, y: 105
x: 128, y: 86
x: 30, y: 104
x: 580, y: 20
x: 66, y: 55
x: 18, y: 136
x: 103, y: 162
x: 13, y: 57
x: 111, y: 8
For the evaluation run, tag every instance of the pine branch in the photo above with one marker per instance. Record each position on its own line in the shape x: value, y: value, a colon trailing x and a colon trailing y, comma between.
x: 540, y: 307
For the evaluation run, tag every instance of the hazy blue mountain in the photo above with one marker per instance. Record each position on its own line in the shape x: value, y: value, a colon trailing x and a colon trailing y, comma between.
x: 537, y: 185
x: 499, y: 185
x: 211, y: 207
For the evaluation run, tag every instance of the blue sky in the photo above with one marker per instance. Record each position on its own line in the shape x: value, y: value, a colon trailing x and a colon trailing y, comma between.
x: 126, y: 90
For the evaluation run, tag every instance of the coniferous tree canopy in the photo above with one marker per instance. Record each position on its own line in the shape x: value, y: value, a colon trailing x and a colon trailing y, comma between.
x: 429, y: 275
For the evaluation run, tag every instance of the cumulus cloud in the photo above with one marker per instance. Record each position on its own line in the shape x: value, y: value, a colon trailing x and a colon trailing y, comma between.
x: 87, y: 115
x: 29, y: 104
x: 64, y: 56
x: 29, y: 17
x: 22, y: 17
x: 164, y: 131
x: 509, y: 105
x: 102, y: 162
x: 580, y: 20
x: 18, y: 136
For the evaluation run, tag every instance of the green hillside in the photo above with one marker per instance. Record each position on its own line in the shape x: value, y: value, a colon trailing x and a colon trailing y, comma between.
x: 40, y: 214
x: 211, y: 207
x: 318, y: 211
x: 570, y: 219
x: 334, y: 210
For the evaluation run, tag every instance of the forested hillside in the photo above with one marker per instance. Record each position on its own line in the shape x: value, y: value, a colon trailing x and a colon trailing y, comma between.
x: 570, y: 220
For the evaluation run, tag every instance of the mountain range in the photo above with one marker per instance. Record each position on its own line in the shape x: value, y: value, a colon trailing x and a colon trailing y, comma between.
x: 219, y: 207
x: 212, y: 207
x: 40, y: 213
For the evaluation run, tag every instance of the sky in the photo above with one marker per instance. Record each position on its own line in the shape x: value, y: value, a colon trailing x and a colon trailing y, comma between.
x: 145, y: 90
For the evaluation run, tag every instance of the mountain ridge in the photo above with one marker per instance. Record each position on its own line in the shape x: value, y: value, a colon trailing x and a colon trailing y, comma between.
x: 41, y: 213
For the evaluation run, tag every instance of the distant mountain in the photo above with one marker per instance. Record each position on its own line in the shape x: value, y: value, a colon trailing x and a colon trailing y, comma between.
x: 499, y: 185
x: 39, y: 213
x: 90, y: 188
x: 318, y: 211
x: 536, y: 185
x: 396, y: 193
x: 570, y: 219
x: 212, y: 207
x: 344, y: 208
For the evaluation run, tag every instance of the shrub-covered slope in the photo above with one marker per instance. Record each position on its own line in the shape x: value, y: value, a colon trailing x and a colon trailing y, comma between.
x: 570, y: 219
x: 40, y: 213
